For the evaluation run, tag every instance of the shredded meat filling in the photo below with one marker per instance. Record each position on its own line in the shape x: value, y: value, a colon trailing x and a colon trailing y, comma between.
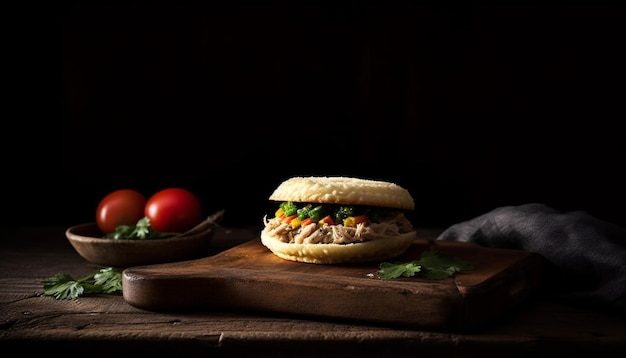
x: 338, y: 234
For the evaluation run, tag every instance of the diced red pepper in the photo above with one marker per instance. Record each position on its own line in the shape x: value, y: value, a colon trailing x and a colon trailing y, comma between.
x: 327, y: 220
x: 288, y: 219
x: 306, y: 222
x: 360, y: 219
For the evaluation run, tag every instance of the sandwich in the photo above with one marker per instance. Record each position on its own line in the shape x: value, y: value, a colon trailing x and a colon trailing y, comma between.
x: 338, y: 220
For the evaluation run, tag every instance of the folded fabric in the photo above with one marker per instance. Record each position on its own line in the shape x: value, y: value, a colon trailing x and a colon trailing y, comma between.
x: 586, y: 256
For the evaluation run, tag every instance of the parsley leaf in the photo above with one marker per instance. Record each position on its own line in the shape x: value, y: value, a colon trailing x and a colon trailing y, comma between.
x: 389, y: 270
x: 65, y: 287
x: 140, y: 231
x: 109, y: 280
x: 432, y: 264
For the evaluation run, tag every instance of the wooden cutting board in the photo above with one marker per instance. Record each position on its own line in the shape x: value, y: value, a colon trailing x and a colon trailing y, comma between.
x: 250, y: 278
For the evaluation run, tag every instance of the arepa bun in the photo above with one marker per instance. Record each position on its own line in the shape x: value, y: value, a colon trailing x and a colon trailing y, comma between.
x: 339, y: 242
x: 344, y: 190
x: 359, y: 252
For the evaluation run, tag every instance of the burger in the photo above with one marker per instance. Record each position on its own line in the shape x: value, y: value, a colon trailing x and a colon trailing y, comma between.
x: 336, y: 220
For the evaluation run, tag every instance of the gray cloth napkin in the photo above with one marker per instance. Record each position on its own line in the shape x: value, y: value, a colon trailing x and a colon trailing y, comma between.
x: 586, y: 256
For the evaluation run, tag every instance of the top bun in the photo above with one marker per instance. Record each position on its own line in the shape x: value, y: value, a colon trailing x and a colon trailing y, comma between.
x: 344, y: 190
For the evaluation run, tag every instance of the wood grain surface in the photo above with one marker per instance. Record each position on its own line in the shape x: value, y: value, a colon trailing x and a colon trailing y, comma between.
x: 105, y: 325
x: 249, y: 277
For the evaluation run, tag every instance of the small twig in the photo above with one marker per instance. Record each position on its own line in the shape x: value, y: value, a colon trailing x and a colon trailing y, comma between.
x: 206, y: 225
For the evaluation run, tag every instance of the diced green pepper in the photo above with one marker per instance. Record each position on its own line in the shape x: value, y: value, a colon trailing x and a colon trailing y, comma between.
x: 343, y: 212
x: 376, y: 214
x: 289, y: 208
x: 303, y: 213
x: 317, y: 213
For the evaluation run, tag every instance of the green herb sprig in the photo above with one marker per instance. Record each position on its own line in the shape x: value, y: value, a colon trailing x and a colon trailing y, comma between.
x: 65, y: 287
x: 140, y: 231
x: 432, y: 264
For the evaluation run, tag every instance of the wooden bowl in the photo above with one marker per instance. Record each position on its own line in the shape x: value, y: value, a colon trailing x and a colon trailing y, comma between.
x: 91, y: 244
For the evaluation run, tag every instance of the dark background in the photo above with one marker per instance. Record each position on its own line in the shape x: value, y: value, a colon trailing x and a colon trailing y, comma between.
x: 469, y: 108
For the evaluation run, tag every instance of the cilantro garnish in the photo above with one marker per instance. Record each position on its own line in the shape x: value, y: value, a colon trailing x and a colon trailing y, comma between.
x: 432, y: 264
x: 140, y: 231
x: 65, y: 287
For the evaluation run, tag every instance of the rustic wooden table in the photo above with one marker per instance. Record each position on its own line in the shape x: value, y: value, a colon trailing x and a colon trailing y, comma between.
x: 105, y: 325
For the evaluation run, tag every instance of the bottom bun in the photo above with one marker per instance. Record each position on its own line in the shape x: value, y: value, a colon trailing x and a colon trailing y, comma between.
x: 360, y: 252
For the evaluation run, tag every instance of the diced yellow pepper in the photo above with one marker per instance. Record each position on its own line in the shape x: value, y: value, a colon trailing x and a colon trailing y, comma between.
x: 352, y: 221
x: 279, y: 212
x: 349, y: 221
x: 295, y: 223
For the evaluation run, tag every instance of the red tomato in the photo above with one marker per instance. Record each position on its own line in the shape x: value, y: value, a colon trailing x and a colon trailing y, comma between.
x: 120, y: 207
x: 173, y: 210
